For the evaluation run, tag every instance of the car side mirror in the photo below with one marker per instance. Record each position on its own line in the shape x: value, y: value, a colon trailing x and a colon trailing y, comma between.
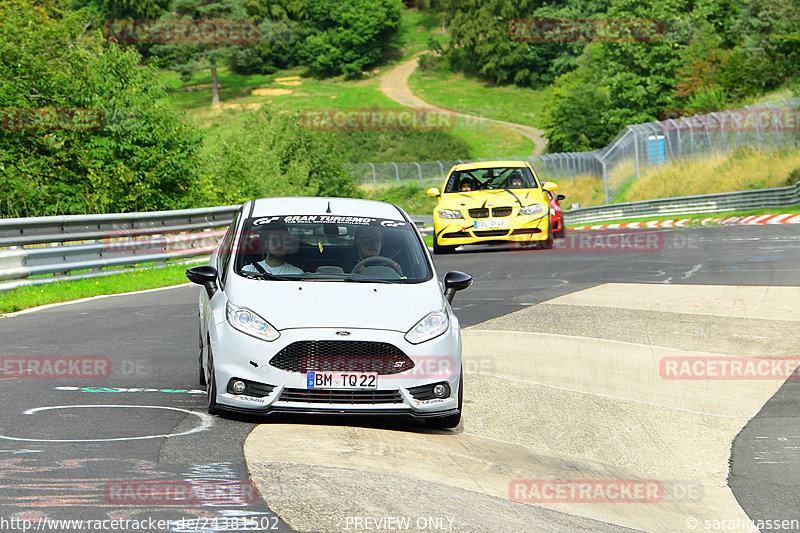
x: 205, y: 275
x: 455, y: 281
x: 549, y: 186
x: 560, y: 197
x: 433, y: 191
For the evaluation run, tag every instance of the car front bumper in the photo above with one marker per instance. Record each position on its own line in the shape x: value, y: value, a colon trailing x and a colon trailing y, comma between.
x: 239, y: 356
x: 456, y: 232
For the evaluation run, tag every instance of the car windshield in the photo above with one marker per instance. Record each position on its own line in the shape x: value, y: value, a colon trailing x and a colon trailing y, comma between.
x: 491, y: 178
x: 330, y: 248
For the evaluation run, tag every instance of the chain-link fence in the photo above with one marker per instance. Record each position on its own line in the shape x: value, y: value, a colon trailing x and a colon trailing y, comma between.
x: 767, y: 126
x: 432, y: 173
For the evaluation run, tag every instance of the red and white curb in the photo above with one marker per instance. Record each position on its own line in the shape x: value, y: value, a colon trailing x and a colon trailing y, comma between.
x: 791, y: 218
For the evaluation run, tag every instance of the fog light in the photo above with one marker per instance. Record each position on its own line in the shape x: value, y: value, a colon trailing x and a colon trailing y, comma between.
x: 441, y: 390
x: 238, y: 387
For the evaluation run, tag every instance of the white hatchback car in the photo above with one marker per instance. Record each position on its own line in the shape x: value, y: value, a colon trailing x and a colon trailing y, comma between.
x: 329, y: 305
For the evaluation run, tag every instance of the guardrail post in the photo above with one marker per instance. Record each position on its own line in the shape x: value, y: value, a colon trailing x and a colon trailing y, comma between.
x: 605, y: 180
x: 374, y: 178
x: 721, y: 130
x: 636, y: 153
x: 678, y: 134
x: 419, y: 171
x: 396, y: 172
x: 796, y: 126
x: 755, y: 117
x: 441, y: 167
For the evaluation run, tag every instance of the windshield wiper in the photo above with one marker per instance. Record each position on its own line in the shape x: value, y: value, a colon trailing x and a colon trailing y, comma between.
x: 369, y: 280
x: 258, y: 275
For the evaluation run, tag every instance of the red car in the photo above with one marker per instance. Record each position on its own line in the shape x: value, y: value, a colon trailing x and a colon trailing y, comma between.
x: 556, y: 217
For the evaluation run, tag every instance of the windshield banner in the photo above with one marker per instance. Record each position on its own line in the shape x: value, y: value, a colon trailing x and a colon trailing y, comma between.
x: 329, y: 219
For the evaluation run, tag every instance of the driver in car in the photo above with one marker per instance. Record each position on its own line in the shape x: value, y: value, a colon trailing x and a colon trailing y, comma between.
x: 516, y: 180
x: 368, y: 243
x: 369, y: 240
x: 278, y: 242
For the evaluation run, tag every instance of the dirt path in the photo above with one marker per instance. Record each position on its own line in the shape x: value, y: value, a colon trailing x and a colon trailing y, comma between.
x: 394, y: 84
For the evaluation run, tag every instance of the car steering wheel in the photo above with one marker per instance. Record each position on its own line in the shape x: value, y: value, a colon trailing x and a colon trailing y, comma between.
x: 381, y: 260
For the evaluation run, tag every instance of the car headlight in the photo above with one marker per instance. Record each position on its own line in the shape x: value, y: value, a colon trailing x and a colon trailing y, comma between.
x: 533, y: 209
x: 430, y: 326
x: 248, y: 322
x: 449, y: 213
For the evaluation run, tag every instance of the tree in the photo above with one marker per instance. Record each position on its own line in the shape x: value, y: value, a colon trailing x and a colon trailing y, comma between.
x: 348, y: 37
x: 84, y: 128
x: 272, y: 154
x: 482, y: 41
x: 575, y: 121
x: 769, y: 53
x: 185, y: 56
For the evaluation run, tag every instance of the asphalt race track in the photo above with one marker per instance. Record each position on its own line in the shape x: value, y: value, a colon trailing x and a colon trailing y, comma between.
x: 565, y: 379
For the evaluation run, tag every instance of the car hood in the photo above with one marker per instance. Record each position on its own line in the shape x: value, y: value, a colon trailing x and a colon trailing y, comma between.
x: 497, y: 197
x: 337, y: 304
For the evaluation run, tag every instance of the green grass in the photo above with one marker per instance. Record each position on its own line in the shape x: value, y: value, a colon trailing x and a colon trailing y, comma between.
x: 471, y: 96
x: 469, y: 140
x: 410, y: 197
x: 766, y: 211
x: 480, y: 140
x: 416, y: 29
x: 62, y: 291
x: 491, y: 141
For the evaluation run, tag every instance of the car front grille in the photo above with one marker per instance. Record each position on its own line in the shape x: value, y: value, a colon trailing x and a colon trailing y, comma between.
x: 342, y: 356
x: 501, y: 211
x: 456, y: 235
x: 370, y: 397
x: 479, y: 212
x: 490, y: 232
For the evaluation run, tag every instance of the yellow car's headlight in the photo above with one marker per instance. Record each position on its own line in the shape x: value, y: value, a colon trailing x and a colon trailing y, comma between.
x: 533, y: 209
x: 449, y: 213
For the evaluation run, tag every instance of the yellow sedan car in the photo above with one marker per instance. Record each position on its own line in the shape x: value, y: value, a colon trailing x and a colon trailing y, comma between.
x: 492, y: 201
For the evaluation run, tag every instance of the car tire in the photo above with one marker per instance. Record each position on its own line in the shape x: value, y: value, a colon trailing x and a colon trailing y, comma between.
x: 202, y: 375
x: 211, y: 388
x: 562, y: 230
x: 442, y: 250
x: 547, y: 244
x: 450, y: 421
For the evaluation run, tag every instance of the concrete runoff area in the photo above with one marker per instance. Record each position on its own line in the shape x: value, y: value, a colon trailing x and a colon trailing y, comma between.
x: 552, y: 395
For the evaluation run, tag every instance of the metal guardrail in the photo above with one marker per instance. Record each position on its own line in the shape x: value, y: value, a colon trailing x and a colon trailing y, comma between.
x: 128, y: 239
x: 62, y: 245
x: 37, y: 230
x: 687, y: 205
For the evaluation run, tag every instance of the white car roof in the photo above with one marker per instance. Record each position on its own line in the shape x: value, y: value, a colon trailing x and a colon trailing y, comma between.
x: 309, y: 205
